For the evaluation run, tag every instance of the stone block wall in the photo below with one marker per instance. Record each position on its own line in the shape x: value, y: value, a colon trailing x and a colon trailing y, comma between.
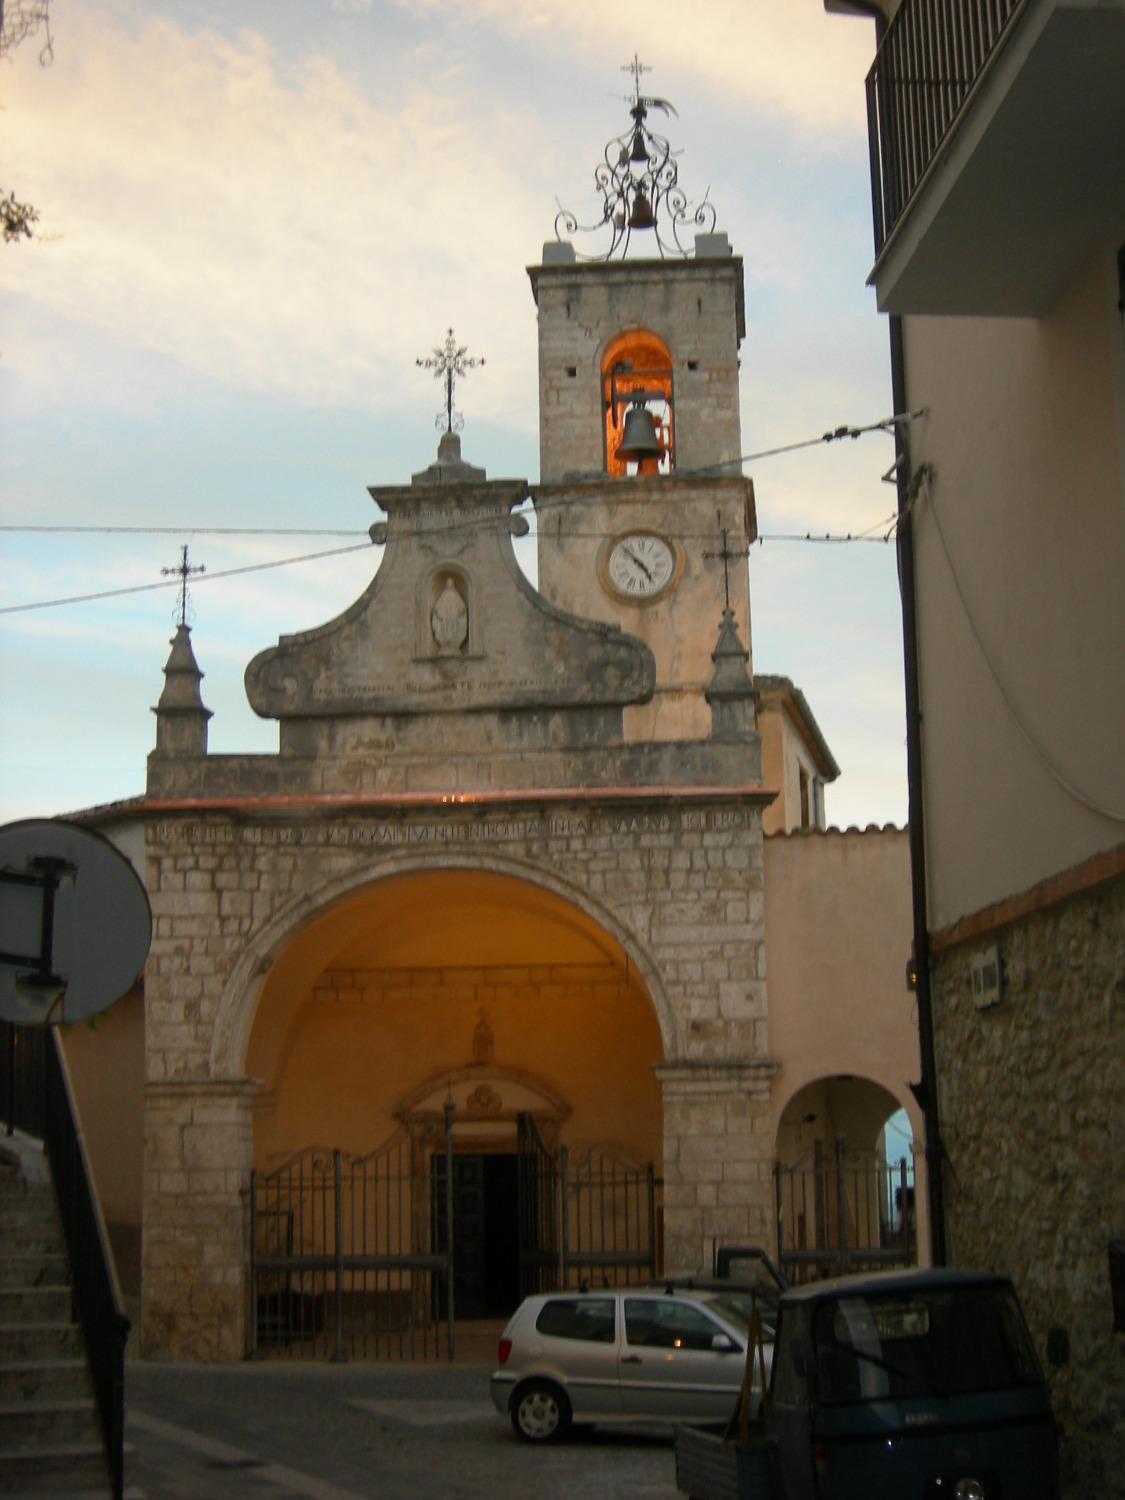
x: 194, y: 1243
x: 718, y: 1163
x: 1031, y: 1105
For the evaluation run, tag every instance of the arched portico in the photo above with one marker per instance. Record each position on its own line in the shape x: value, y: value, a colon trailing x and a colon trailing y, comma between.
x: 615, y: 950
x: 465, y: 1010
x: 398, y: 977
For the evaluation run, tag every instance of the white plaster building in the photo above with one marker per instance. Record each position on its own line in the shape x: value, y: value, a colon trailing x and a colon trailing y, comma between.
x: 998, y: 152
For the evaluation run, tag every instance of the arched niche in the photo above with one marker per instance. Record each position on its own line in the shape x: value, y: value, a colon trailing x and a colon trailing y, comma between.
x: 637, y: 366
x: 447, y: 616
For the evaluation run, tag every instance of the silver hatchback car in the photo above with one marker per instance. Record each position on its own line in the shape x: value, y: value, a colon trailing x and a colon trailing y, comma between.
x: 628, y: 1355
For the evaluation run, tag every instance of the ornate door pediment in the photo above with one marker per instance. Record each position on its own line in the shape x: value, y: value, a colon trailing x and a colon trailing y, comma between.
x: 483, y: 1095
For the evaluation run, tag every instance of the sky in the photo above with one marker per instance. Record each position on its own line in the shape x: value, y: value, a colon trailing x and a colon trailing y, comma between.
x: 256, y: 215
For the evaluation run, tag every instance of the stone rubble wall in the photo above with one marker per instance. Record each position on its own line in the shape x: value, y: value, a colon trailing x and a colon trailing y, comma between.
x: 1031, y: 1108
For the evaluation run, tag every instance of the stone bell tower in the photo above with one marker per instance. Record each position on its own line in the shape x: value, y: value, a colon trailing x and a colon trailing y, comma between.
x: 644, y: 514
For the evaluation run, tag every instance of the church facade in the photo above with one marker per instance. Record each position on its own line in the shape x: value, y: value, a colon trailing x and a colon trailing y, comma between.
x: 470, y: 978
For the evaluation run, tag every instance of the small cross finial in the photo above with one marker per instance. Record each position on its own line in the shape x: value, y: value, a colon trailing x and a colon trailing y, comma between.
x: 636, y: 67
x: 183, y: 572
x: 447, y: 363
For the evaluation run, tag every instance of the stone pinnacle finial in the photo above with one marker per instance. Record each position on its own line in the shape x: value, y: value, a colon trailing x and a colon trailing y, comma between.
x: 731, y: 689
x: 181, y: 718
x: 449, y: 467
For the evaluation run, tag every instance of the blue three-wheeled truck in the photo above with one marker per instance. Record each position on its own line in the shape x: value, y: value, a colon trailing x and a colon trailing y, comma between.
x: 909, y: 1385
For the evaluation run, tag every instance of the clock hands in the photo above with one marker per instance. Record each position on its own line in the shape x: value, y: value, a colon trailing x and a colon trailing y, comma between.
x: 640, y: 565
x: 645, y: 569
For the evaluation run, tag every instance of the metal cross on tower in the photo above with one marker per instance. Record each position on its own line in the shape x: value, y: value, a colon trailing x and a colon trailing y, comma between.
x: 183, y: 572
x: 727, y: 556
x: 448, y: 363
x: 636, y: 67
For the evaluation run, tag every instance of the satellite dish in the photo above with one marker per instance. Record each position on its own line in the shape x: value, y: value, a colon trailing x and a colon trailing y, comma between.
x: 75, y: 923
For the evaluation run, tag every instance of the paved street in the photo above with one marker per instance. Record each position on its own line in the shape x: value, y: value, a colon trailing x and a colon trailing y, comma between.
x: 365, y: 1432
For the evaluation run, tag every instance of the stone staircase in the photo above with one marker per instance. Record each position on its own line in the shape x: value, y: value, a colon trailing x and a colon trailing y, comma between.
x: 50, y: 1437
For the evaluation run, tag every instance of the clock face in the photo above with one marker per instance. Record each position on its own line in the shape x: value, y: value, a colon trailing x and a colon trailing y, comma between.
x: 641, y: 565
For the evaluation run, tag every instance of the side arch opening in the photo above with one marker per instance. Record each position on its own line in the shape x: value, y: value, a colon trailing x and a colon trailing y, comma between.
x: 844, y: 1179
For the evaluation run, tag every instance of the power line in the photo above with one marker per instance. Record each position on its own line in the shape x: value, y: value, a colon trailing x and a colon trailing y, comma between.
x: 174, y: 583
x: 925, y: 477
x: 886, y: 424
x: 60, y: 529
x: 825, y: 538
x: 829, y: 538
x: 68, y: 530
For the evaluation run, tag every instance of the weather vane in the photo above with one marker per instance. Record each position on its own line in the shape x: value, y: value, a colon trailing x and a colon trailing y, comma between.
x: 636, y: 67
x: 183, y: 572
x: 448, y: 363
x: 638, y: 182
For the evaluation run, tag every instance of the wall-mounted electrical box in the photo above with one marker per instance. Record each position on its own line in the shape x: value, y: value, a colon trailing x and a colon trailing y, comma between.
x: 986, y: 971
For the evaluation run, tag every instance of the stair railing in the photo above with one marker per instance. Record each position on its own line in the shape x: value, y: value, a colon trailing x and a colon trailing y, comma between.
x: 53, y: 1117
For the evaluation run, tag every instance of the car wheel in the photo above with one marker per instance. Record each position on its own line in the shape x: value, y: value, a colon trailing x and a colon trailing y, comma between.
x: 540, y: 1412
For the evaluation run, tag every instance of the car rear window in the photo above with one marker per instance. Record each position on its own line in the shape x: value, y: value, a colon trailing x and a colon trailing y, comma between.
x: 941, y: 1342
x: 589, y: 1318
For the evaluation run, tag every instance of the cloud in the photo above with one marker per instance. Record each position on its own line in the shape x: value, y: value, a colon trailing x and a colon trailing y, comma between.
x: 773, y: 56
x: 280, y: 223
x: 274, y: 224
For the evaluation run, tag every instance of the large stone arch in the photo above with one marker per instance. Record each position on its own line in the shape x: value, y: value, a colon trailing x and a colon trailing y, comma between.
x: 242, y: 992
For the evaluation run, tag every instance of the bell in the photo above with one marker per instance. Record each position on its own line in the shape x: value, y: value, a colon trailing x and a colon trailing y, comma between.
x: 640, y: 216
x: 639, y: 440
x: 640, y: 150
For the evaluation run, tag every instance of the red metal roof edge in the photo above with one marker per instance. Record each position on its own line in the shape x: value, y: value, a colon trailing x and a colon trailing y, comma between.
x: 751, y: 791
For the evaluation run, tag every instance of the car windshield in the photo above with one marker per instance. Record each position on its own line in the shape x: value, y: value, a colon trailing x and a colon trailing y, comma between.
x: 736, y: 1307
x: 944, y: 1341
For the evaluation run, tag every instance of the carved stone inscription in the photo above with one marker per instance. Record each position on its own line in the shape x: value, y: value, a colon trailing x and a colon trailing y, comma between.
x: 398, y: 832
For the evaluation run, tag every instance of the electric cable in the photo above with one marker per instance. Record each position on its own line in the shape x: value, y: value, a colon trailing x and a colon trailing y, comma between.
x: 924, y: 477
x: 834, y: 435
x: 175, y: 583
x: 829, y: 538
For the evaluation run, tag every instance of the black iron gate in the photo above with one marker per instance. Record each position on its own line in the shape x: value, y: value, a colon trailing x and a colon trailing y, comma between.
x: 585, y: 1217
x: 350, y: 1255
x: 609, y: 1211
x: 538, y: 1178
x: 358, y: 1256
x: 843, y: 1210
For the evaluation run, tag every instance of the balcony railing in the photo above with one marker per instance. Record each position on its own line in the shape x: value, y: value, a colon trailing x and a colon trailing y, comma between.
x: 930, y: 59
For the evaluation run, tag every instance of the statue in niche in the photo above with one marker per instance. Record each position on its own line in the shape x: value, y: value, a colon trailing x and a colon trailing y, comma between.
x: 449, y: 620
x: 484, y: 1043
